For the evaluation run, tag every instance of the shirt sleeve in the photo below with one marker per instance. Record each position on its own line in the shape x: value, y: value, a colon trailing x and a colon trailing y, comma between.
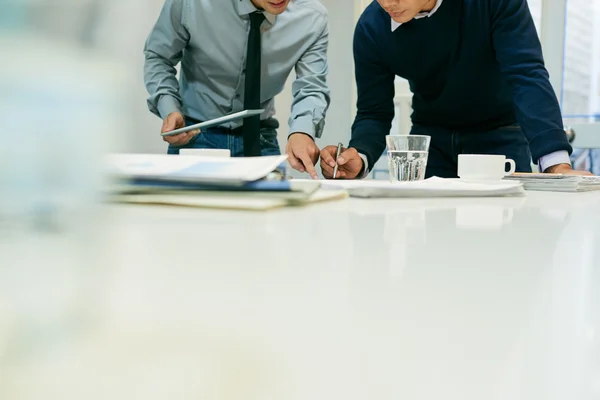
x: 311, y: 95
x: 552, y: 159
x: 366, y: 170
x: 163, y: 51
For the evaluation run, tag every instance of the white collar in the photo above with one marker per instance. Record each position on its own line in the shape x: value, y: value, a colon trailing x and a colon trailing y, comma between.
x: 396, y: 25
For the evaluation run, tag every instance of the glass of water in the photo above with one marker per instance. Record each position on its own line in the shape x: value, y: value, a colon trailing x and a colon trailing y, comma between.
x: 407, y: 157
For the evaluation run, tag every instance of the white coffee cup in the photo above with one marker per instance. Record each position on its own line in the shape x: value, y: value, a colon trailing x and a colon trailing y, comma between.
x: 221, y: 153
x: 484, y: 167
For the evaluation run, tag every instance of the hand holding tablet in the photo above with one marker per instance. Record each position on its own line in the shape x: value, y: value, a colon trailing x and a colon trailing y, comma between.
x: 214, y: 122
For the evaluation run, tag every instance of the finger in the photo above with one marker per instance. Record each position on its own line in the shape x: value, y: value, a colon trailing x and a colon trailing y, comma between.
x: 314, y: 157
x: 294, y: 162
x: 315, y: 153
x: 171, y: 139
x: 181, y: 139
x: 326, y: 169
x: 347, y: 155
x: 168, y: 125
x: 177, y: 143
x: 341, y: 173
x: 325, y: 165
x: 308, y: 165
x: 187, y: 138
x: 165, y: 127
x: 172, y: 123
x: 175, y: 138
x: 338, y: 175
x: 327, y: 156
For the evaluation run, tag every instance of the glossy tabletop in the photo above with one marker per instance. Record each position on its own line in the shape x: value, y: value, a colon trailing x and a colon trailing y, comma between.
x: 417, y: 299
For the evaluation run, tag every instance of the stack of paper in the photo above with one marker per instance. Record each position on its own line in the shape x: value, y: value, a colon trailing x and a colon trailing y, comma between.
x: 230, y: 183
x: 433, y: 187
x: 557, y: 182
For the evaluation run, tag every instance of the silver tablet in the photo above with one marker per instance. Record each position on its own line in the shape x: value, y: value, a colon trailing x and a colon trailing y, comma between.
x: 215, y: 122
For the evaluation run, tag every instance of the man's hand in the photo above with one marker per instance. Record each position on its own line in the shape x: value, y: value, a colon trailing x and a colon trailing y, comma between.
x: 350, y: 164
x: 303, y: 153
x: 565, y: 169
x: 174, y: 121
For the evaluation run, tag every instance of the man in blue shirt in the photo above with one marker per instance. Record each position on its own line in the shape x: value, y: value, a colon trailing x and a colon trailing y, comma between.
x: 478, y: 80
x: 236, y: 55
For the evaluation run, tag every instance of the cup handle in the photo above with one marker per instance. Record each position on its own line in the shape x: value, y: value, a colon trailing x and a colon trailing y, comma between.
x: 513, y: 167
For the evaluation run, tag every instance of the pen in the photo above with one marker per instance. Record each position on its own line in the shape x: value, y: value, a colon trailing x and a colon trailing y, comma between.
x: 337, y: 154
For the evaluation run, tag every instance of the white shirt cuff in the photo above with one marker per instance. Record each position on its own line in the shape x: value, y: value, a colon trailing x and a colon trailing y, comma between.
x: 366, y: 170
x: 552, y: 159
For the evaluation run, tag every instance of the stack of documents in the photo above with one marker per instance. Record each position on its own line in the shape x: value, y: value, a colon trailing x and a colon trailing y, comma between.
x: 192, y: 181
x: 557, y: 182
x: 433, y: 187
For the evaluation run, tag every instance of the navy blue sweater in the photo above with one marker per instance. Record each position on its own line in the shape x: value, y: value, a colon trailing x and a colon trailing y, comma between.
x: 474, y: 65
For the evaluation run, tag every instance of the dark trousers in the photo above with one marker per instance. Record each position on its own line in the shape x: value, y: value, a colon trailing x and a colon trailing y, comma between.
x: 447, y: 144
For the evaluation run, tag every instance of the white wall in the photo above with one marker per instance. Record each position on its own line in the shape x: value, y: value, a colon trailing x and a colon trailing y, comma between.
x: 118, y: 36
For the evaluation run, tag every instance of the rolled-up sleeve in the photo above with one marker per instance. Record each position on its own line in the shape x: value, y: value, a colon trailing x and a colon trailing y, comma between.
x: 310, y: 90
x: 162, y: 52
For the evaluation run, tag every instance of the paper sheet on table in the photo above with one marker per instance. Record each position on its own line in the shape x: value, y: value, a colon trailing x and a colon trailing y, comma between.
x: 231, y: 200
x: 192, y: 168
x: 433, y: 187
x: 556, y: 182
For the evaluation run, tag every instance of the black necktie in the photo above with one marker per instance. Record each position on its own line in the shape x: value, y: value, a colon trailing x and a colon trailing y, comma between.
x: 252, y: 88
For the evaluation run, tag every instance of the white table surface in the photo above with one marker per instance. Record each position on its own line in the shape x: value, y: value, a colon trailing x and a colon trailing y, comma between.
x: 464, y: 299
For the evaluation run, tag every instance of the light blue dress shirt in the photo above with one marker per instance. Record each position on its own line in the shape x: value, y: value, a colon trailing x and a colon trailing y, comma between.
x: 209, y: 39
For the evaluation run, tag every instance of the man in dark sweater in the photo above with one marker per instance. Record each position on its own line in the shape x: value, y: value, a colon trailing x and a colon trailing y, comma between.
x: 477, y: 73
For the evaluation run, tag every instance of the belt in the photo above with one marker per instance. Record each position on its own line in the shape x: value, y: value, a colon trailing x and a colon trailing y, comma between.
x: 269, y: 123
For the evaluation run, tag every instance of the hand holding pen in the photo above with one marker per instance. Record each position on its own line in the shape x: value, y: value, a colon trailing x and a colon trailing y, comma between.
x: 338, y: 162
